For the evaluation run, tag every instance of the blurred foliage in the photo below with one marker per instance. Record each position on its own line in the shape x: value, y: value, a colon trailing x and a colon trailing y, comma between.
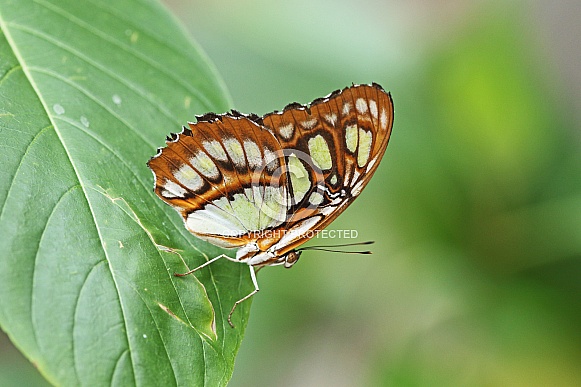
x: 476, y: 208
x: 495, y: 189
x: 475, y: 280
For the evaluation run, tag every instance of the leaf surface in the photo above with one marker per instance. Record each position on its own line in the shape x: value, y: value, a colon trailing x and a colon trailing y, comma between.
x: 88, y: 91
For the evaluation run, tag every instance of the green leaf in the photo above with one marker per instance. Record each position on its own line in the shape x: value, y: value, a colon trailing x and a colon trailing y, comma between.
x: 88, y: 91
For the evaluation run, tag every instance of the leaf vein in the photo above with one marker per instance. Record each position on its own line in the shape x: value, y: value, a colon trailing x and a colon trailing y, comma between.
x: 37, y: 135
x: 52, y: 7
x: 165, y: 348
x: 75, y: 314
x: 135, y: 217
x: 118, y: 364
x: 35, y: 271
x: 178, y: 226
x: 8, y: 73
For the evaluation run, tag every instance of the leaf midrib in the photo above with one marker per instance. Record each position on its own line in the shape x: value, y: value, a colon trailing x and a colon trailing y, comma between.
x: 26, y: 71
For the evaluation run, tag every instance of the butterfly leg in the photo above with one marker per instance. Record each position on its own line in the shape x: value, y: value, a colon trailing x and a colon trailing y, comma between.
x: 253, y: 276
x: 204, y: 265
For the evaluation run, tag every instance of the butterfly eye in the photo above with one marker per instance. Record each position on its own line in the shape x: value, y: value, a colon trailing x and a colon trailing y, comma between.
x: 291, y: 258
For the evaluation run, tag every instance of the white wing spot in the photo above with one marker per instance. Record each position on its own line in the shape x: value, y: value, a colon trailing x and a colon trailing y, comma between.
x: 189, y: 178
x: 215, y: 150
x: 316, y: 198
x: 328, y: 210
x: 245, y: 210
x: 270, y: 160
x: 299, y: 177
x: 346, y: 108
x: 334, y: 179
x: 331, y: 118
x: 371, y: 164
x: 273, y: 205
x: 356, y: 190
x: 364, y: 148
x: 319, y: 150
x: 286, y: 131
x: 361, y: 105
x: 235, y: 151
x: 217, y: 218
x: 309, y: 124
x: 351, y: 138
x: 253, y: 154
x: 383, y: 119
x: 373, y: 108
x: 172, y: 190
x: 203, y: 163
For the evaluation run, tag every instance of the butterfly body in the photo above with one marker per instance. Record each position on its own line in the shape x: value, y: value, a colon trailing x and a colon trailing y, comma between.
x: 265, y: 185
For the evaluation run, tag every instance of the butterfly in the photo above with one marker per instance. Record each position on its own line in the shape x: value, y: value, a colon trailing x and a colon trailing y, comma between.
x: 265, y: 185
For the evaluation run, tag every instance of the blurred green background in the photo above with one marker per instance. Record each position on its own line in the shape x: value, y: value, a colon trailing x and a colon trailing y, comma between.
x: 475, y: 278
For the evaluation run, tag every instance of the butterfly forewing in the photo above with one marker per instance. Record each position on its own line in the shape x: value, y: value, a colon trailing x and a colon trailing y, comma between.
x: 291, y: 172
x: 346, y: 134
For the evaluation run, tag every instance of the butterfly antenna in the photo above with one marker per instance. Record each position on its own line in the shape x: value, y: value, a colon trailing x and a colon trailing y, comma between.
x: 332, y: 250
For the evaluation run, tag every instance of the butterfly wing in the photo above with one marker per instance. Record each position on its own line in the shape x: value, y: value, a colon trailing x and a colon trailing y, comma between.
x: 234, y: 176
x: 218, y: 175
x: 345, y: 134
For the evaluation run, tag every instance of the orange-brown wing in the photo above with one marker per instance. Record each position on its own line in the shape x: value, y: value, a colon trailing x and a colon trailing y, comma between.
x: 217, y: 174
x: 345, y: 135
x: 289, y: 172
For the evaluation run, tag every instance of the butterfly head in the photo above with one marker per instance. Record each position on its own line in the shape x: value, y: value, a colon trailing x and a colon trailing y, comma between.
x: 290, y: 258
